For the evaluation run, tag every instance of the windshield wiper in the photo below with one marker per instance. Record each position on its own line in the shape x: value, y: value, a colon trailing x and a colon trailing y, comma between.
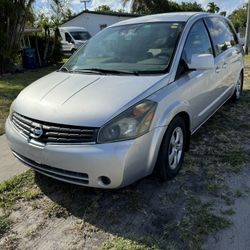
x: 107, y: 71
x: 64, y: 69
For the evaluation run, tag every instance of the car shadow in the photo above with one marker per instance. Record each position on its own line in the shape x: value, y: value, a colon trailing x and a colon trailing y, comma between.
x: 137, y: 212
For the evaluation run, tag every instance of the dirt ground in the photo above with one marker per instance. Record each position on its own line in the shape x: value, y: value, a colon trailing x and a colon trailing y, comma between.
x: 238, y: 235
x: 202, y: 208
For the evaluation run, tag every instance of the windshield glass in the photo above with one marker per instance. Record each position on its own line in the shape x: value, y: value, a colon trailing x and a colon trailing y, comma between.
x: 80, y: 35
x: 141, y: 48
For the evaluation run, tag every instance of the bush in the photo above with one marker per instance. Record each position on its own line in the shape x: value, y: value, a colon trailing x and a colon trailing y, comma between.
x: 54, y: 50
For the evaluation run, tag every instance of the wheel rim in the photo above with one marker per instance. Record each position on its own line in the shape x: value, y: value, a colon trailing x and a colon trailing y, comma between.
x: 175, y: 148
x: 238, y: 88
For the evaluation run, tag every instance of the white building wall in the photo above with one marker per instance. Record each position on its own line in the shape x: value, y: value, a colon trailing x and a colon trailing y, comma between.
x: 93, y: 22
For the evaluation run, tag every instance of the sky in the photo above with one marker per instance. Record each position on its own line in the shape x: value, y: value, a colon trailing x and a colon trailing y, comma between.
x: 225, y: 5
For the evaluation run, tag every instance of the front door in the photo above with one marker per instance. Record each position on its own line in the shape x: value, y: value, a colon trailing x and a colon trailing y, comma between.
x: 200, y: 87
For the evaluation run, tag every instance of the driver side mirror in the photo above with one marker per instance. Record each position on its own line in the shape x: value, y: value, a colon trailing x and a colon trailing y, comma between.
x: 202, y: 62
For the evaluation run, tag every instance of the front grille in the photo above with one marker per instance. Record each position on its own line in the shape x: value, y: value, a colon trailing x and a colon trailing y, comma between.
x: 46, y: 132
x: 61, y: 174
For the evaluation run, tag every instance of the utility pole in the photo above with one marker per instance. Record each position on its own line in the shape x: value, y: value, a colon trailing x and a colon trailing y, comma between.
x: 85, y: 3
x: 247, y: 29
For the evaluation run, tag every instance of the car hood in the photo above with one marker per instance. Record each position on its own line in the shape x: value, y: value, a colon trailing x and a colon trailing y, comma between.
x: 83, y: 99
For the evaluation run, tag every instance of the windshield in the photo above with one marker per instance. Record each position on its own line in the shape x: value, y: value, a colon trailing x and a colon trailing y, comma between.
x: 80, y: 35
x: 139, y: 48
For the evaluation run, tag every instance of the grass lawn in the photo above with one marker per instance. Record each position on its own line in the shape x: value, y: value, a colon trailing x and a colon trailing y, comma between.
x: 11, y: 85
x: 36, y: 211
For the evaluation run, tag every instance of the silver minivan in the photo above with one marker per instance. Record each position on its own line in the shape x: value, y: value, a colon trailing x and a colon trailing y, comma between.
x: 127, y: 102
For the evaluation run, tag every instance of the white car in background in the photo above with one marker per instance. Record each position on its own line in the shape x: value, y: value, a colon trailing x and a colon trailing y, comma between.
x: 72, y: 38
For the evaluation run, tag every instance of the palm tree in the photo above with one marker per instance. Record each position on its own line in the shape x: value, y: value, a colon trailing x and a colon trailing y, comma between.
x: 14, y: 16
x: 213, y: 7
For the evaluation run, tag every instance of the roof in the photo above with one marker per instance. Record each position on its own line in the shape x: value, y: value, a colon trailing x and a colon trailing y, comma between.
x: 119, y: 14
x: 166, y: 17
x: 72, y: 28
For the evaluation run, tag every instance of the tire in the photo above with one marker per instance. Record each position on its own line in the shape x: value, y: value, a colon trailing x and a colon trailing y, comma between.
x: 170, y: 157
x: 238, y: 89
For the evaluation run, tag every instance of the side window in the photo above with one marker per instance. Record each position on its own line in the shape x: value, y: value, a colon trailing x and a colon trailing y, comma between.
x: 222, y: 36
x: 68, y: 37
x: 198, y: 42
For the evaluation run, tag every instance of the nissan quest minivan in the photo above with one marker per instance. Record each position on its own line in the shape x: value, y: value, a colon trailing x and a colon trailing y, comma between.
x: 126, y: 103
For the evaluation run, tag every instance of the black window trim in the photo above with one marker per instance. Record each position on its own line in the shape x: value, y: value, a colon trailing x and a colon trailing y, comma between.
x: 210, y: 37
x: 233, y: 31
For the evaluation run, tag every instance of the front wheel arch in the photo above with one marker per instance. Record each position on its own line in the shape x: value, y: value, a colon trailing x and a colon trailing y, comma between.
x: 184, y: 118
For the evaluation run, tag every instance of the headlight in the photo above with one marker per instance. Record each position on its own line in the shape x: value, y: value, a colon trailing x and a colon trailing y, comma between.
x: 132, y: 123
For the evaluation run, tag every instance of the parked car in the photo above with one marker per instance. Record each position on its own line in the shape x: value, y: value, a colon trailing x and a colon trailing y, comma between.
x: 127, y: 103
x: 72, y: 38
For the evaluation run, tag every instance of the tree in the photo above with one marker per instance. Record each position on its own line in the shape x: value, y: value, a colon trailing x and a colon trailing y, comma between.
x: 103, y: 8
x: 45, y: 23
x: 239, y: 17
x: 60, y: 12
x: 213, y: 7
x: 152, y: 6
x: 223, y: 13
x: 67, y: 15
x: 13, y: 16
x: 186, y: 6
x: 161, y: 6
x: 60, y: 9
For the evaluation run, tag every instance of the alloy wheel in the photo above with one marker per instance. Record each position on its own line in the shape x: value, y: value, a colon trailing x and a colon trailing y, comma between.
x: 175, y: 148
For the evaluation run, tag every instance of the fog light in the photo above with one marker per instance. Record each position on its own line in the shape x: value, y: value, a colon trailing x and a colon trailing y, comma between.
x: 104, y: 180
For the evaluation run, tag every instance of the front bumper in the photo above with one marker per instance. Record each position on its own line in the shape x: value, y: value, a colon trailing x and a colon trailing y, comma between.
x: 84, y: 164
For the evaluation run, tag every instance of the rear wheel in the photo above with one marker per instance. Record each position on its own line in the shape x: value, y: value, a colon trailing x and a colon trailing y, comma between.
x: 171, y: 153
x: 238, y: 89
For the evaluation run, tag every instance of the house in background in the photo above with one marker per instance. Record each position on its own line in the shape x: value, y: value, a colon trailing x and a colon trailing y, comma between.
x: 95, y: 21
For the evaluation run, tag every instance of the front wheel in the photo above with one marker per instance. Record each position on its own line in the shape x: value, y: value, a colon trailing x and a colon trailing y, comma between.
x: 172, y: 149
x: 238, y: 89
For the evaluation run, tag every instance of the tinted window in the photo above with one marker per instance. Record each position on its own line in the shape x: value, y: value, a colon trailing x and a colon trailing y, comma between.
x: 222, y: 36
x: 198, y: 42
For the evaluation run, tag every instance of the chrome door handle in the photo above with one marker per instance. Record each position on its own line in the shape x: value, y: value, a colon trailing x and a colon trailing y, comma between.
x: 224, y: 66
x: 218, y: 69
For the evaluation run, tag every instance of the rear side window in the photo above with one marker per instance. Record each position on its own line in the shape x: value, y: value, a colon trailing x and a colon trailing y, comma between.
x: 221, y: 33
x: 197, y: 42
